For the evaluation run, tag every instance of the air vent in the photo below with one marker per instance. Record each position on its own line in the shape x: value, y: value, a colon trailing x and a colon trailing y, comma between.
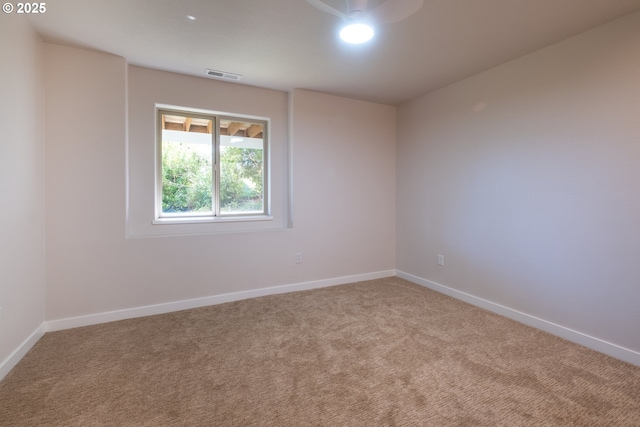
x: 223, y: 75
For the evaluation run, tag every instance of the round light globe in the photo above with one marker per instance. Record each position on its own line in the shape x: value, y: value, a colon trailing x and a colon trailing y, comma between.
x: 356, y: 33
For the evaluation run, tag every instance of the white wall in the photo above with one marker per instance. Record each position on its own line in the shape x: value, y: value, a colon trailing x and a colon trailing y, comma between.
x: 85, y: 170
x: 344, y: 206
x: 344, y: 183
x: 22, y: 216
x: 527, y: 178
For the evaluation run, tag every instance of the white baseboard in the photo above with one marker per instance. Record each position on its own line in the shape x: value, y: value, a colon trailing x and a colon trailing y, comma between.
x: 13, y: 359
x: 588, y: 341
x: 93, y: 319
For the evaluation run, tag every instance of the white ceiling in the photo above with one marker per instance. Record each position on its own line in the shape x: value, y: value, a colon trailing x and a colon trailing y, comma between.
x: 285, y: 44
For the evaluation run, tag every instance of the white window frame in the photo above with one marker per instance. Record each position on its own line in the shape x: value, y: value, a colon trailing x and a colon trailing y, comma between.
x: 216, y: 215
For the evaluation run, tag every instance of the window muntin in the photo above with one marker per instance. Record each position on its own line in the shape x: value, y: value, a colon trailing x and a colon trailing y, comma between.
x: 210, y: 166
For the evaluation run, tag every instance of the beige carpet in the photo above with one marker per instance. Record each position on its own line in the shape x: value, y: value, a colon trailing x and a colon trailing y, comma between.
x: 377, y: 353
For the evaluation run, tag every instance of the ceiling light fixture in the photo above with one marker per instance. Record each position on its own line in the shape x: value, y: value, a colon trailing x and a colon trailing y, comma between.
x: 356, y: 33
x: 191, y: 17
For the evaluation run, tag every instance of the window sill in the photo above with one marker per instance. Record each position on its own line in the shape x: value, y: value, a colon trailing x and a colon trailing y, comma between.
x: 208, y: 220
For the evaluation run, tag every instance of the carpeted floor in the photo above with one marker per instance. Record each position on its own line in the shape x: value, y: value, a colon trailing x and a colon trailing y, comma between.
x: 377, y: 353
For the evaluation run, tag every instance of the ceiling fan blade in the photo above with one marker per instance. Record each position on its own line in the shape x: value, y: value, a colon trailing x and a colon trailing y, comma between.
x: 395, y: 10
x: 328, y: 9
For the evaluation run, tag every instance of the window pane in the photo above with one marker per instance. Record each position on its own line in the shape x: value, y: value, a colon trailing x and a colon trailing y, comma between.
x: 186, y: 165
x: 241, y: 167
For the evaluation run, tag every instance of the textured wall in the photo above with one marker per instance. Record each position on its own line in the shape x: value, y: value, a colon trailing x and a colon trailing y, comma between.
x: 343, y: 200
x: 527, y: 178
x: 22, y: 216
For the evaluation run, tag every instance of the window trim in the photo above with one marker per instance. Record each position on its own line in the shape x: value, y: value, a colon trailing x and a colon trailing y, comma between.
x: 216, y: 215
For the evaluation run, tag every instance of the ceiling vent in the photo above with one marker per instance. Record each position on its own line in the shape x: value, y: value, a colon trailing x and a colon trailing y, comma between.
x: 223, y: 75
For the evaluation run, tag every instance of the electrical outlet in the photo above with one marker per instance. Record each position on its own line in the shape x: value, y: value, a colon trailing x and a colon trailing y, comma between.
x: 299, y: 258
x: 440, y: 259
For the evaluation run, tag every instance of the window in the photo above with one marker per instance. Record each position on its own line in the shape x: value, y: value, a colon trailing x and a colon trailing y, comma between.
x: 210, y: 166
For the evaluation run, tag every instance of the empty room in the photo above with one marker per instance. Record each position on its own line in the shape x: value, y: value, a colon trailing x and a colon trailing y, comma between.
x: 320, y: 213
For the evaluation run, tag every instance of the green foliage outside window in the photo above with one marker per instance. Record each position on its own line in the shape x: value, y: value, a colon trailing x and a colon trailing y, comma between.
x: 240, y: 179
x: 187, y: 179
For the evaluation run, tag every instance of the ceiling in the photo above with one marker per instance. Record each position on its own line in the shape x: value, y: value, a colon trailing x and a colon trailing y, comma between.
x: 286, y: 44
